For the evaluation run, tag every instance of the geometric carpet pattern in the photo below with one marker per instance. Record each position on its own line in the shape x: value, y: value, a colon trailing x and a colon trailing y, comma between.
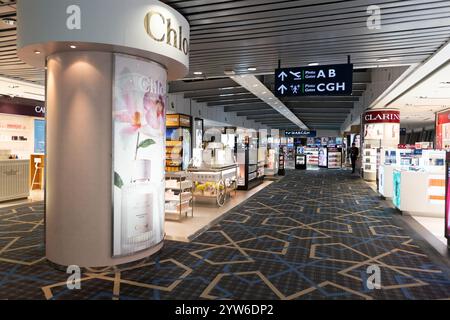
x: 311, y: 235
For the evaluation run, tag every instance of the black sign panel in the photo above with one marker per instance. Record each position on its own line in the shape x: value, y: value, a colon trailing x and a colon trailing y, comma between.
x: 33, y: 110
x: 300, y: 133
x: 332, y: 80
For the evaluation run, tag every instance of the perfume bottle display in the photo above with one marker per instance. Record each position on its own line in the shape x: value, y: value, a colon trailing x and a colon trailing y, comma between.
x: 138, y: 200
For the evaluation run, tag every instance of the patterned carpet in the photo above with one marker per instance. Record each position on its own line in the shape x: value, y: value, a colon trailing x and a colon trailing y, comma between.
x: 311, y: 235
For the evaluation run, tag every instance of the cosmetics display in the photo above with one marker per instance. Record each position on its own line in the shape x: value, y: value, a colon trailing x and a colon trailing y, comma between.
x: 369, y: 162
x: 312, y: 158
x: 334, y: 158
x: 414, y: 179
x: 178, y: 142
x: 272, y: 153
x: 281, y: 163
x: 381, y: 129
x: 251, y: 172
x: 179, y: 196
x: 300, y: 161
x: 323, y: 157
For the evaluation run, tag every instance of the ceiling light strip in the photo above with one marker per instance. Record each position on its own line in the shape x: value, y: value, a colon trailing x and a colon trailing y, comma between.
x: 253, y: 85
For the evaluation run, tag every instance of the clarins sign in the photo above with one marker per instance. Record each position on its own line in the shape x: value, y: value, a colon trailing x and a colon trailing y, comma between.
x: 382, y: 116
x: 163, y: 29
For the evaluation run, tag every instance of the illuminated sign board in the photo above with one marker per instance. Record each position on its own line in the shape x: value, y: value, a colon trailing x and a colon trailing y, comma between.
x: 331, y: 80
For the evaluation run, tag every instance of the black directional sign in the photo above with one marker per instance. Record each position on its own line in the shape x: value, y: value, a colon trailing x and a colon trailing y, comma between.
x: 331, y: 80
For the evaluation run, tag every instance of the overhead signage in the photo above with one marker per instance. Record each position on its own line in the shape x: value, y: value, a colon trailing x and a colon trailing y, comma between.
x: 300, y: 133
x: 37, y: 111
x: 382, y: 116
x: 331, y: 80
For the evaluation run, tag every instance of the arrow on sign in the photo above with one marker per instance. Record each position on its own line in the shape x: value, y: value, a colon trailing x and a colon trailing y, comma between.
x: 282, y: 89
x: 282, y: 75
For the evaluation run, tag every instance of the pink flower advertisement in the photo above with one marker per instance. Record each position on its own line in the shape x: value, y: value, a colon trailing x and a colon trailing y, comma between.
x: 139, y: 106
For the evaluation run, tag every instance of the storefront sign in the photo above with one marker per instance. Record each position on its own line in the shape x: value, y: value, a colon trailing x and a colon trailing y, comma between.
x: 314, y: 81
x: 443, y: 130
x: 139, y: 155
x: 300, y: 133
x: 382, y: 116
x: 37, y: 111
x: 160, y: 28
x: 145, y: 28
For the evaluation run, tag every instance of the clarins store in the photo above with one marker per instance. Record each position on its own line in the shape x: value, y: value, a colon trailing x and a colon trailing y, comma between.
x: 22, y: 149
x: 104, y: 123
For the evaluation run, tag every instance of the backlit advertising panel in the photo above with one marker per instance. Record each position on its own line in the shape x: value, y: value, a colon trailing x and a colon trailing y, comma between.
x: 138, y: 155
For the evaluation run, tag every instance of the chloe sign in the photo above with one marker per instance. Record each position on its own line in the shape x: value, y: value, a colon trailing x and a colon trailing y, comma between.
x: 382, y: 116
x: 162, y: 29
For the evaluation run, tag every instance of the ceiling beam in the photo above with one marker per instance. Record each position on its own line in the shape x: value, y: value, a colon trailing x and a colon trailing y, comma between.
x: 183, y: 86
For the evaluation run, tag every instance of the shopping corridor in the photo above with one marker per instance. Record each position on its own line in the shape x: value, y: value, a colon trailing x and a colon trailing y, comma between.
x: 311, y: 235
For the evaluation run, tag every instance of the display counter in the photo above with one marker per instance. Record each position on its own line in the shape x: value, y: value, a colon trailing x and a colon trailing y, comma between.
x: 214, y: 182
x: 385, y: 181
x: 419, y: 193
x: 14, y: 179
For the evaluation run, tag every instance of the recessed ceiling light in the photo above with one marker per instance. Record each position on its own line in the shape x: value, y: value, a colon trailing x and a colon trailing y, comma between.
x: 37, y: 52
x: 313, y: 64
x: 198, y: 73
x: 251, y: 69
x: 73, y: 47
x: 255, y: 85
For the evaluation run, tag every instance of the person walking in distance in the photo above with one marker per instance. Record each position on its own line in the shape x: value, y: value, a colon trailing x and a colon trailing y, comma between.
x: 354, y: 154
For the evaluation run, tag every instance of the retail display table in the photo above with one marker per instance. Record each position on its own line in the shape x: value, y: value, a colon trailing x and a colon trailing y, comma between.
x: 419, y: 193
x: 14, y: 179
x: 214, y: 182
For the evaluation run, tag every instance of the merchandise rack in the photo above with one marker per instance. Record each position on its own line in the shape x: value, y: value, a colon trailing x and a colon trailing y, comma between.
x: 181, y: 188
x: 214, y: 182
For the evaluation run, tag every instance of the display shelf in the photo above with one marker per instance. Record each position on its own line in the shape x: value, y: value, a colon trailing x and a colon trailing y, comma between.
x: 179, y: 196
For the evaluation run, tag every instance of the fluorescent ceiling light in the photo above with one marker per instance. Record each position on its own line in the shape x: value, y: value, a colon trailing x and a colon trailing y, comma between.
x: 383, y: 60
x: 198, y: 73
x: 251, y: 69
x: 313, y: 64
x: 250, y: 83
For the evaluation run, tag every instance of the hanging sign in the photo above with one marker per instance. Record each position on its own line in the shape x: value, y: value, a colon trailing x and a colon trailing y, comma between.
x: 300, y: 133
x: 331, y: 80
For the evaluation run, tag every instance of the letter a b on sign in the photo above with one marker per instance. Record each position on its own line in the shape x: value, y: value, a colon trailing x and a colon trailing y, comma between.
x: 74, y: 17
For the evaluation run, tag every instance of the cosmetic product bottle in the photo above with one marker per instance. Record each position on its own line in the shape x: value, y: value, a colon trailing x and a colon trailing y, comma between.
x: 138, y: 201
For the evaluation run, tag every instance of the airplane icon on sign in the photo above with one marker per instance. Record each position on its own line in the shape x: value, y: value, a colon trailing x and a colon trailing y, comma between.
x: 297, y: 75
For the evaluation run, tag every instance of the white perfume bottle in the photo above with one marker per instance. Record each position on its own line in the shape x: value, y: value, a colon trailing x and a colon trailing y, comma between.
x: 138, y: 200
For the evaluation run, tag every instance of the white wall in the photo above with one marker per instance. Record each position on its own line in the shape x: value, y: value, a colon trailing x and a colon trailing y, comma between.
x: 381, y: 80
x: 21, y: 148
x: 178, y: 104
